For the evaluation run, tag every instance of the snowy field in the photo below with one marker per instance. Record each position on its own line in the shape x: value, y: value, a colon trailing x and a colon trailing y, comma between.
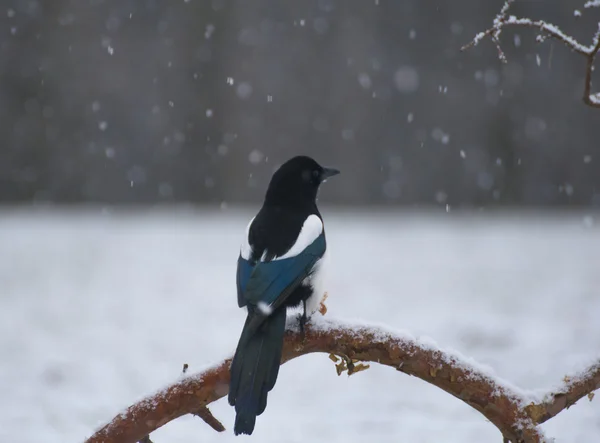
x: 98, y: 310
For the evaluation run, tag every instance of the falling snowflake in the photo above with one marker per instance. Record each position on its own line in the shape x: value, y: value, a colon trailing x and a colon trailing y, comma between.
x: 255, y: 157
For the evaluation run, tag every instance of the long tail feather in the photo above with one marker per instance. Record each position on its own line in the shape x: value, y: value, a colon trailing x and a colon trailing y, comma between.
x: 255, y: 367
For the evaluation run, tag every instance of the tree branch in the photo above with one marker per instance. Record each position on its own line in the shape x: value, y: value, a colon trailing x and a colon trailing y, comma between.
x: 573, y: 389
x: 514, y: 412
x: 548, y: 30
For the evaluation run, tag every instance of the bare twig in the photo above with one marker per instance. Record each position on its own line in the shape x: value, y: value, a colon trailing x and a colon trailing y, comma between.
x: 508, y: 409
x: 202, y: 412
x: 548, y: 30
x: 205, y: 414
x: 589, y: 98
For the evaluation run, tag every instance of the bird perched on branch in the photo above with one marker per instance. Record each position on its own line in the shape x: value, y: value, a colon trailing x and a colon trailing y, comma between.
x: 280, y: 266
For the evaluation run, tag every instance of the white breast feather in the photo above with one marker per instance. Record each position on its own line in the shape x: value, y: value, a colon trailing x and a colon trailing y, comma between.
x: 317, y: 282
x: 311, y: 229
x: 246, y: 249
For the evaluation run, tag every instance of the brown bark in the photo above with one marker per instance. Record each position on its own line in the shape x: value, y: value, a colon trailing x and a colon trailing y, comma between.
x: 574, y: 388
x: 498, y: 403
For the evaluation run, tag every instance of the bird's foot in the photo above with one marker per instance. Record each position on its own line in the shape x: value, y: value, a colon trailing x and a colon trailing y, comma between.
x: 302, y: 319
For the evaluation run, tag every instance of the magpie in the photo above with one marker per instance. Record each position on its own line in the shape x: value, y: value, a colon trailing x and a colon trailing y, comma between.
x: 280, y: 266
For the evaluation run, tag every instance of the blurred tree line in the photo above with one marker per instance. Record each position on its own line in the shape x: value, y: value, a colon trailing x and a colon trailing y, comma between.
x: 148, y: 101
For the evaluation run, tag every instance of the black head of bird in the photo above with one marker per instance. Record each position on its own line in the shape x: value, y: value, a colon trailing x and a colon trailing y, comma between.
x: 297, y: 181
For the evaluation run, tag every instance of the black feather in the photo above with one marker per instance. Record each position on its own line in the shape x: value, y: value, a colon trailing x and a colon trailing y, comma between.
x: 255, y: 368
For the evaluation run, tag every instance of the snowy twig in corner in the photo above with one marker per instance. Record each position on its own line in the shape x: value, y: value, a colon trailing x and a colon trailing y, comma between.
x: 511, y: 410
x: 592, y: 4
x: 548, y: 30
x: 589, y: 98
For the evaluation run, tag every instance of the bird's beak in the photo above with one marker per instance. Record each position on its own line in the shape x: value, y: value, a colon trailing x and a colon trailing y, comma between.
x: 328, y: 172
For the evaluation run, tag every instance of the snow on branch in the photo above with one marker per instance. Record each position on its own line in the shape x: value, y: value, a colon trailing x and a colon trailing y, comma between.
x: 592, y: 4
x: 547, y: 30
x: 516, y: 413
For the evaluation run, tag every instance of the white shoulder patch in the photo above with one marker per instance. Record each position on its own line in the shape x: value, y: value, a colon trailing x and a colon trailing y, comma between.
x: 311, y: 229
x: 246, y: 249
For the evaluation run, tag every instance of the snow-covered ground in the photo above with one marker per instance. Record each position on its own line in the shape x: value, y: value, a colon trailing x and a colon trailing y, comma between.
x: 98, y: 310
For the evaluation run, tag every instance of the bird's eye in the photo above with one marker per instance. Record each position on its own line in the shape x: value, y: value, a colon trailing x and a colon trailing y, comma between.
x: 315, y: 173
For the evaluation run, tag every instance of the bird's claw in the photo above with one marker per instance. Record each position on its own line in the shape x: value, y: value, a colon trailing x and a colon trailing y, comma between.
x: 302, y: 319
x: 302, y: 322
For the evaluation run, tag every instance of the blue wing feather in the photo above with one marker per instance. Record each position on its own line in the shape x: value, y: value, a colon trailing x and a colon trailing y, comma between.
x: 272, y: 282
x: 244, y: 269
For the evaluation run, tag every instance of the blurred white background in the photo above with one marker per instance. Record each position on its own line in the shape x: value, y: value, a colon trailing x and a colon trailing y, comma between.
x: 98, y: 310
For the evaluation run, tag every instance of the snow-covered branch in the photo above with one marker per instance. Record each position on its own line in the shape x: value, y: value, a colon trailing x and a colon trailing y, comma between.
x: 592, y: 4
x: 515, y: 412
x: 572, y: 389
x: 548, y: 30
